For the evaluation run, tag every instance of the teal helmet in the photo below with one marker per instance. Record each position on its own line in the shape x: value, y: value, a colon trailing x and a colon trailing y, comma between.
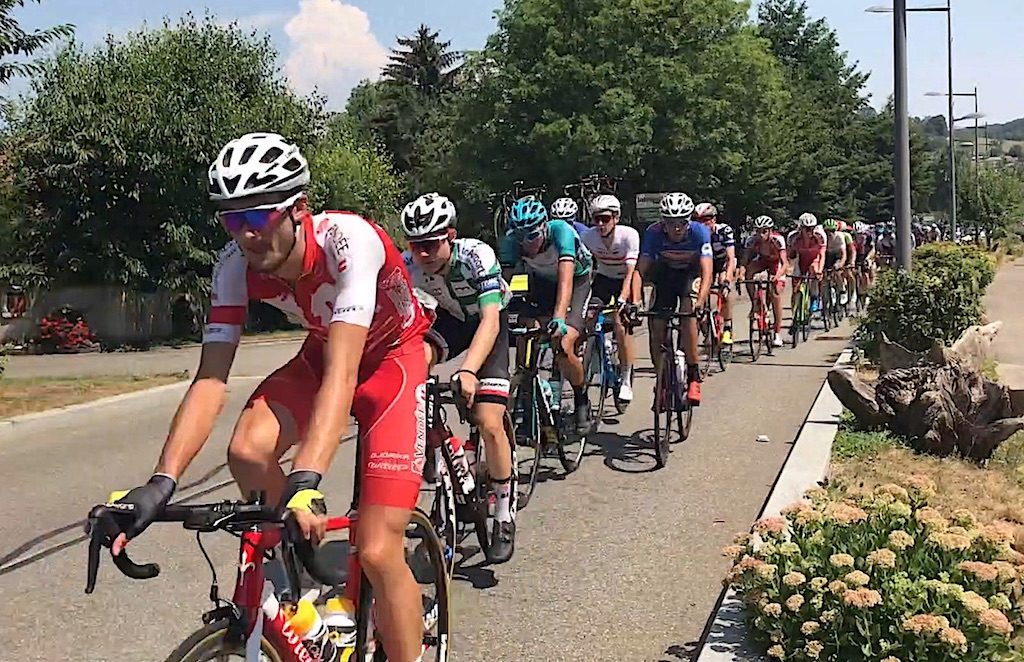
x: 527, y: 214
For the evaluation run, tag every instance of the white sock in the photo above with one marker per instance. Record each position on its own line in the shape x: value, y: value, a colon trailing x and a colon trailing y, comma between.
x: 503, y: 501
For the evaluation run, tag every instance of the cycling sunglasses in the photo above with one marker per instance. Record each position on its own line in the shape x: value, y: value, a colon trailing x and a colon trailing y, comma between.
x: 256, y: 219
x: 427, y: 245
x: 601, y: 219
x: 529, y: 235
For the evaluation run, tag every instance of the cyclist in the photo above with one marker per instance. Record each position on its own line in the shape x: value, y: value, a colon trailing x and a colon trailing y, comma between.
x: 766, y: 251
x: 849, y: 270
x: 836, y: 256
x: 567, y: 210
x: 807, y: 253
x: 723, y: 249
x: 615, y: 248
x: 463, y: 277
x: 675, y: 252
x: 343, y: 278
x: 865, y: 245
x: 559, y: 269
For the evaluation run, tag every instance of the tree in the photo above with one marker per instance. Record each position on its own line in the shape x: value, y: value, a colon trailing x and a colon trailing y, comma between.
x: 1016, y: 151
x: 112, y: 151
x: 424, y: 62
x: 15, y: 41
x: 667, y: 94
x: 992, y: 199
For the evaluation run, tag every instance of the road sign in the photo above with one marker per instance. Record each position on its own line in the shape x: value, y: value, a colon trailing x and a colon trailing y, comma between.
x: 647, y: 205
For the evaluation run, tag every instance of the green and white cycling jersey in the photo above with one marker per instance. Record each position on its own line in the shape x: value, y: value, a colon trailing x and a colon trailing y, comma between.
x: 563, y: 243
x: 474, y: 280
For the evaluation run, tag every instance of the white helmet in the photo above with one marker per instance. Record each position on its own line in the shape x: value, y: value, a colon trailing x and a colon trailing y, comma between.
x: 429, y: 215
x: 860, y: 227
x: 705, y: 210
x: 564, y: 208
x: 604, y: 203
x: 808, y: 220
x: 676, y: 205
x: 762, y: 222
x: 257, y: 163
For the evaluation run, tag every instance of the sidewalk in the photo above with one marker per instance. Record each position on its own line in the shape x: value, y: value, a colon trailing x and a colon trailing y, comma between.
x: 1003, y: 302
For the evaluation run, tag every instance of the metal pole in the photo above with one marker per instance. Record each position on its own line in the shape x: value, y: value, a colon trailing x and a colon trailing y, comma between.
x: 977, y: 162
x: 952, y: 149
x: 901, y: 133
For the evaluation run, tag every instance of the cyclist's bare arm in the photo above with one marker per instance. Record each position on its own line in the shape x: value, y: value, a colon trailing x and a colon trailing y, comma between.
x: 706, y: 269
x: 193, y: 422
x: 333, y: 403
x: 643, y: 265
x: 565, y: 273
x: 730, y: 263
x: 627, y: 283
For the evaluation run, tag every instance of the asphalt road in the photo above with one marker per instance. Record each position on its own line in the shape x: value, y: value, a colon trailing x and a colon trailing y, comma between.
x: 613, y: 562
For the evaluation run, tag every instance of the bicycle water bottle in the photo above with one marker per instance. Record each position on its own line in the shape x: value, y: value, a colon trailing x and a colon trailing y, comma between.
x: 546, y: 393
x: 340, y: 619
x: 306, y: 622
x: 680, y: 368
x: 461, y: 464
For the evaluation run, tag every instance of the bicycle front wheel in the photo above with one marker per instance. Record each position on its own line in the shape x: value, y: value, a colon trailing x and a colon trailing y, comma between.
x: 798, y: 316
x: 527, y: 438
x: 708, y: 333
x: 663, y: 411
x: 597, y: 386
x: 212, y: 643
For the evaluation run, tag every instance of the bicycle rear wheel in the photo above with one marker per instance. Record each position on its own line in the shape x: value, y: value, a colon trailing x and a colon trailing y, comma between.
x: 724, y: 350
x: 499, y: 221
x: 425, y: 557
x: 708, y: 332
x: 798, y: 315
x: 527, y: 438
x: 212, y: 643
x: 754, y: 336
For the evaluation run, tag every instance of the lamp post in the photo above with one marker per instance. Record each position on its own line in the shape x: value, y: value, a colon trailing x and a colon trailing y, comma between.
x: 949, y: 74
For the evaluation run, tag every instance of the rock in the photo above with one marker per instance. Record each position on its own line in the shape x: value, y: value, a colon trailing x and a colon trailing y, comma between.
x: 856, y: 395
x: 1012, y: 376
x: 974, y: 346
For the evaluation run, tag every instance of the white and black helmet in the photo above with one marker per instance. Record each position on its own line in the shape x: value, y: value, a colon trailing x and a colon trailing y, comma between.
x: 808, y: 220
x: 429, y: 215
x: 564, y: 208
x: 603, y: 203
x: 676, y: 205
x: 762, y: 222
x: 257, y: 163
x: 705, y: 211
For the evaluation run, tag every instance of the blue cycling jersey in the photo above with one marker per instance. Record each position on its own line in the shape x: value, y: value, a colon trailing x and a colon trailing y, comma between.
x: 684, y: 254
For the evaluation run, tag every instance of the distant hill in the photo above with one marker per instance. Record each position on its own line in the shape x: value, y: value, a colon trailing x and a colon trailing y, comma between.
x: 1012, y: 130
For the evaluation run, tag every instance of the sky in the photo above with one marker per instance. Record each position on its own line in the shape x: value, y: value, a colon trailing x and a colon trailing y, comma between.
x: 333, y: 44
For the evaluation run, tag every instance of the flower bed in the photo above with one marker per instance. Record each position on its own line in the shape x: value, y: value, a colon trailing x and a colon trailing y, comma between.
x: 879, y: 575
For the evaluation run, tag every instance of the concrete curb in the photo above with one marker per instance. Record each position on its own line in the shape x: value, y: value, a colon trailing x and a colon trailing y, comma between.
x: 725, y: 638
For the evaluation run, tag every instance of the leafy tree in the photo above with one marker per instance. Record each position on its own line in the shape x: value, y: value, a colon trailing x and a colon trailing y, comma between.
x: 112, y: 151
x: 935, y: 125
x: 424, y: 62
x: 16, y: 41
x: 667, y: 94
x: 992, y: 199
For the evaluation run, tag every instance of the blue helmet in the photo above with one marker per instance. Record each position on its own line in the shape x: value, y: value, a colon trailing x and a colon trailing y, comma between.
x: 527, y: 214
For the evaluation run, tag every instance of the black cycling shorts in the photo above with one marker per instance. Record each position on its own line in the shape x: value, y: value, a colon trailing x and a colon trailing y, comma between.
x: 539, y: 302
x: 831, y: 257
x: 672, y: 286
x: 451, y: 336
x: 606, y: 289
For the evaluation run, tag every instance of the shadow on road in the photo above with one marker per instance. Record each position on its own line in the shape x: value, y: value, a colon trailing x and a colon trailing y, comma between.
x: 676, y: 652
x: 631, y: 455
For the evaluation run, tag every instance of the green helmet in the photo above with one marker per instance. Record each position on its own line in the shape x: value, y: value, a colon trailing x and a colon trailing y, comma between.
x: 830, y: 225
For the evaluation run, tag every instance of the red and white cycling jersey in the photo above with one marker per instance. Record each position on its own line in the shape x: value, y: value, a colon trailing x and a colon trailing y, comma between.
x: 769, y: 249
x: 808, y: 247
x: 352, y: 273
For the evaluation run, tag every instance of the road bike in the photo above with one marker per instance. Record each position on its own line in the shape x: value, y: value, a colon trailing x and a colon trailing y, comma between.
x: 587, y: 189
x: 501, y: 204
x: 601, y: 363
x: 711, y: 324
x: 671, y: 403
x: 253, y: 625
x: 542, y: 421
x: 831, y: 308
x: 801, y: 309
x: 863, y: 280
x: 463, y: 492
x: 760, y: 331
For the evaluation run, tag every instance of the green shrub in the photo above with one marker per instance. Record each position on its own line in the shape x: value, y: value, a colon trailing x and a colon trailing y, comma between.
x: 858, y: 575
x: 969, y: 262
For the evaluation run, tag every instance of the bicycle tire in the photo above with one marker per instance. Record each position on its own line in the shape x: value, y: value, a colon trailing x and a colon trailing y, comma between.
x: 754, y: 338
x: 661, y: 406
x: 209, y: 642
x: 724, y: 350
x: 443, y: 515
x: 593, y: 369
x: 707, y: 331
x: 568, y: 454
x: 798, y: 316
x: 534, y: 439
x: 805, y: 326
x: 485, y: 489
x: 368, y: 647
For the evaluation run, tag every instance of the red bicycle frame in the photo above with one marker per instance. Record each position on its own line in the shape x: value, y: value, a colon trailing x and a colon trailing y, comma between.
x: 266, y: 617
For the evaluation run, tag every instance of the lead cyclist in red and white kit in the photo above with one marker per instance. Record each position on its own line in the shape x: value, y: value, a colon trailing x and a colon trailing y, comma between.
x: 341, y: 277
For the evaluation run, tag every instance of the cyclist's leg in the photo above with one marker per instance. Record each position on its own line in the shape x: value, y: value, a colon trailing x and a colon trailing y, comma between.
x: 389, y: 406
x: 273, y: 420
x: 690, y: 338
x: 569, y: 361
x: 776, y: 285
x: 666, y: 298
x: 489, y: 411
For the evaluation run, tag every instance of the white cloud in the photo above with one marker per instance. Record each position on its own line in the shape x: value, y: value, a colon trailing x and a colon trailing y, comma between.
x: 331, y: 49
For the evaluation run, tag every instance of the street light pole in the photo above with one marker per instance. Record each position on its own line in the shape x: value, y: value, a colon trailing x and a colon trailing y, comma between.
x: 952, y: 148
x: 977, y: 162
x: 901, y: 134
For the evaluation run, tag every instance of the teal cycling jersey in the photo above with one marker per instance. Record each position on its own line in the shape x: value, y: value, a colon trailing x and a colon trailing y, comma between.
x: 562, y: 244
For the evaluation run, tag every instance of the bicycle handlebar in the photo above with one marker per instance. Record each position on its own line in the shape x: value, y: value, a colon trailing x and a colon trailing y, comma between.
x: 223, y: 516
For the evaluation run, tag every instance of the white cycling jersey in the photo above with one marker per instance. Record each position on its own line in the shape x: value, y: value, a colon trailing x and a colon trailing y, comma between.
x: 836, y: 243
x: 613, y: 255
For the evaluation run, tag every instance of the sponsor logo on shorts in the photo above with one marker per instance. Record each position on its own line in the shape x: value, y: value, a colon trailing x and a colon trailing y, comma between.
x: 419, y: 452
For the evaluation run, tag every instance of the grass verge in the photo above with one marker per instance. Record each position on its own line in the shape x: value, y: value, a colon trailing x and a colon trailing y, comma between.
x: 993, y: 491
x: 26, y: 395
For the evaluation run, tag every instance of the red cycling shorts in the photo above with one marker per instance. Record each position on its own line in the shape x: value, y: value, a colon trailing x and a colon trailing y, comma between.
x: 389, y: 407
